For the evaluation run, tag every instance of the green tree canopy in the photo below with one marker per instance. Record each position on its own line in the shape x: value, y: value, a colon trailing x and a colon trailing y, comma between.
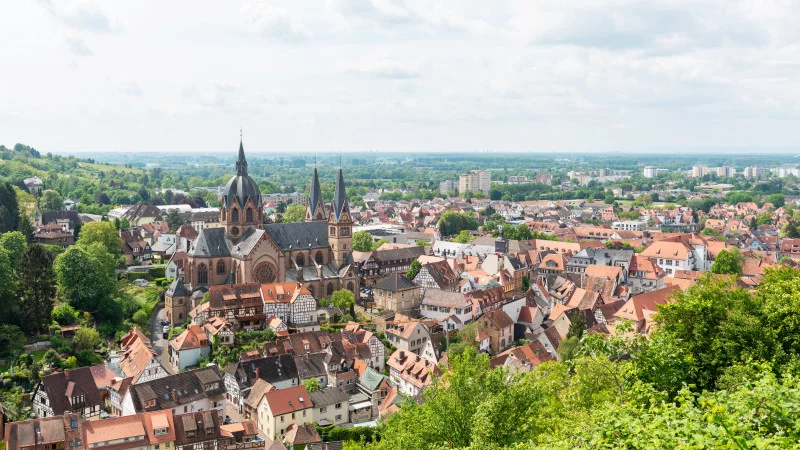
x: 294, y: 213
x: 36, y: 287
x: 83, y: 276
x: 728, y: 262
x: 362, y: 241
x: 413, y: 269
x: 16, y: 244
x: 9, y: 209
x: 86, y: 339
x: 102, y: 232
x: 51, y: 201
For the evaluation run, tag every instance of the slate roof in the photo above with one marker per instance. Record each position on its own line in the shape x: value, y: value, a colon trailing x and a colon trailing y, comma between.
x: 395, y: 282
x: 177, y: 390
x: 340, y: 204
x: 60, y: 386
x: 293, y: 236
x: 310, y: 365
x: 329, y: 396
x: 315, y: 194
x: 273, y: 369
x: 53, y: 216
x: 211, y: 243
x: 177, y: 288
x: 241, y: 187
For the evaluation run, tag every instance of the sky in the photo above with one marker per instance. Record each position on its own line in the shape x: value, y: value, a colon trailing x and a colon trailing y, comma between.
x: 412, y: 76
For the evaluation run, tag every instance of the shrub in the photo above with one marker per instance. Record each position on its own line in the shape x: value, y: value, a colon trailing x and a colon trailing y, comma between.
x: 157, y: 272
x: 65, y: 314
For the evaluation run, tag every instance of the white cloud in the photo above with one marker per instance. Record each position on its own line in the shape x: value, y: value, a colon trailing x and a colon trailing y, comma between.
x: 274, y: 23
x: 82, y: 15
x: 77, y: 46
x: 400, y: 74
x: 382, y: 67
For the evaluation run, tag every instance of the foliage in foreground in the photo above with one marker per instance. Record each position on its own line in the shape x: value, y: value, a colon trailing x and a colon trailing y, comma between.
x: 720, y: 372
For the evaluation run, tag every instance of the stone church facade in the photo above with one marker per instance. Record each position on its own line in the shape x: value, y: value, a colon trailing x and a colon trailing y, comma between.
x: 317, y: 252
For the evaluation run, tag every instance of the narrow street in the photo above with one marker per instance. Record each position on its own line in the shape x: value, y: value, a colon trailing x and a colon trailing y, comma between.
x: 157, y: 340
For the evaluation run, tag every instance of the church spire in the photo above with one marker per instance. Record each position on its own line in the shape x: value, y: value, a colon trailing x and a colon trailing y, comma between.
x: 241, y: 163
x: 340, y: 204
x: 315, y: 206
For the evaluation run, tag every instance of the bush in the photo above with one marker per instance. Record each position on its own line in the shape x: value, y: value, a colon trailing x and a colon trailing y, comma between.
x: 157, y: 272
x: 65, y: 314
x: 141, y: 318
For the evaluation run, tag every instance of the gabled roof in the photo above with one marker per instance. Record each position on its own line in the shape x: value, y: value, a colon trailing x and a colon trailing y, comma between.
x: 395, y: 282
x: 284, y: 401
x: 212, y: 243
x: 62, y: 386
x: 299, y: 235
x: 329, y: 396
x: 192, y: 337
x: 136, y: 354
x: 177, y: 390
x: 634, y: 307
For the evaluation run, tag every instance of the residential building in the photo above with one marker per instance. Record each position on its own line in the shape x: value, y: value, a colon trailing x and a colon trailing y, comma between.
x: 280, y: 371
x: 699, y: 171
x: 280, y: 408
x: 726, y: 171
x: 407, y: 334
x: 291, y: 302
x: 138, y: 360
x: 500, y: 329
x: 671, y: 256
x: 650, y: 172
x: 197, y: 430
x: 185, y: 392
x: 437, y: 276
x: 189, y: 347
x: 475, y: 181
x: 447, y: 186
x: 240, y: 304
x: 331, y: 406
x: 75, y: 391
x: 451, y: 309
x: 630, y: 225
x: 411, y: 373
x: 397, y: 293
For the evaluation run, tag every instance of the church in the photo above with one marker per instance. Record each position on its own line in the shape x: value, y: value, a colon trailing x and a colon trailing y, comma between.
x: 317, y: 252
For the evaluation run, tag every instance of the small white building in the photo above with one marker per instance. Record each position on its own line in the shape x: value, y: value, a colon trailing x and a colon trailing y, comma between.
x: 189, y: 347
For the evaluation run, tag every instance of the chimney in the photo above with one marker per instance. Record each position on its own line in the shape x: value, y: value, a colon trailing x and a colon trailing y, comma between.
x: 174, y: 395
x: 258, y: 373
x: 66, y: 373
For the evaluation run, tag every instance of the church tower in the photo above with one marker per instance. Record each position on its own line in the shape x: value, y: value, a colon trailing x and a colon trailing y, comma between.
x: 315, y: 209
x: 340, y: 224
x: 242, y: 207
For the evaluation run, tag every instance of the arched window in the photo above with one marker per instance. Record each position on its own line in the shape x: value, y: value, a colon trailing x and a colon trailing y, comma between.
x: 180, y: 317
x: 301, y: 260
x: 318, y: 257
x: 220, y: 266
x: 202, y: 274
x: 248, y: 215
x: 330, y: 289
x: 234, y: 215
x: 344, y: 231
x: 333, y: 231
x: 351, y: 288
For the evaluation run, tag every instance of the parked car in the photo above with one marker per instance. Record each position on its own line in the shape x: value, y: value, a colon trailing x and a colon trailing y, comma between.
x: 165, y: 331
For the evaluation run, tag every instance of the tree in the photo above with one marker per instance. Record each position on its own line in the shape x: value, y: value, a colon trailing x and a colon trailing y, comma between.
x: 312, y: 384
x: 719, y: 324
x: 777, y: 200
x: 764, y: 218
x: 51, y: 201
x: 294, y: 213
x: 36, y: 287
x: 26, y: 228
x: 577, y: 325
x: 9, y: 209
x: 362, y: 241
x: 102, y: 232
x: 344, y: 300
x: 789, y: 230
x: 83, y: 278
x: 9, y: 304
x: 174, y: 220
x: 64, y: 314
x: 728, y: 262
x: 413, y: 269
x: 451, y: 222
x: 11, y: 338
x: 86, y: 339
x: 463, y: 237
x: 16, y: 244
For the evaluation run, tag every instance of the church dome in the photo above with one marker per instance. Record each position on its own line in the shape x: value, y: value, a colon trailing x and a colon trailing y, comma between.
x: 241, y: 187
